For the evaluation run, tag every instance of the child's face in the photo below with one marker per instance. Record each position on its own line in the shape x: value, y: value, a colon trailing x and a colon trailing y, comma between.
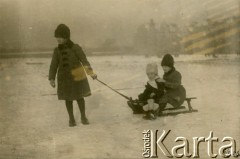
x: 151, y: 75
x: 61, y: 40
x: 166, y: 69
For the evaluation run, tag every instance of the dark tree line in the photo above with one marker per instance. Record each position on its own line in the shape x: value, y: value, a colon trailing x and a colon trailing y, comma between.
x: 157, y: 39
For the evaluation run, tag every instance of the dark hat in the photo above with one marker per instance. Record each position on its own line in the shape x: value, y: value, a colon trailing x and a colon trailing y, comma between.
x: 62, y: 31
x: 167, y: 60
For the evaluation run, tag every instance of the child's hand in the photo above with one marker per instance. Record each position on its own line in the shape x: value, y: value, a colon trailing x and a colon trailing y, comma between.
x: 160, y: 80
x: 152, y: 95
x: 52, y: 83
x: 94, y: 76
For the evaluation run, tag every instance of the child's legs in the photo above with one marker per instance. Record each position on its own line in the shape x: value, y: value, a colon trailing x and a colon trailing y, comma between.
x: 150, y: 109
x: 174, y: 102
x: 166, y: 99
x: 69, y: 106
x: 155, y: 107
x: 151, y: 105
x: 146, y: 108
x: 162, y: 103
x: 81, y: 105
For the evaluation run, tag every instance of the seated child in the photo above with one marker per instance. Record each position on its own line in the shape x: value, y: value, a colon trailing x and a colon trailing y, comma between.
x: 154, y: 90
x: 175, y: 93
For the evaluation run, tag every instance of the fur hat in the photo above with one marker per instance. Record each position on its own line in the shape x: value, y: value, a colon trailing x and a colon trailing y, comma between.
x: 152, y: 67
x: 167, y: 61
x: 62, y: 31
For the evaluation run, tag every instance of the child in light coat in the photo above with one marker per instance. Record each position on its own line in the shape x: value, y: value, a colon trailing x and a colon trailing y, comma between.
x: 154, y: 90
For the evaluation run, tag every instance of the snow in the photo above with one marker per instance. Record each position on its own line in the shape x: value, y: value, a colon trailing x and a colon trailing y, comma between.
x: 34, y: 124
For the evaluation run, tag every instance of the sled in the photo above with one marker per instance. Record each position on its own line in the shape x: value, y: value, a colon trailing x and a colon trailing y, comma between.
x: 136, y: 106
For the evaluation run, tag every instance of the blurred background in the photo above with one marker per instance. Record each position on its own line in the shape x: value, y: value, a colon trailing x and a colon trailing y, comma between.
x: 119, y: 37
x: 149, y: 27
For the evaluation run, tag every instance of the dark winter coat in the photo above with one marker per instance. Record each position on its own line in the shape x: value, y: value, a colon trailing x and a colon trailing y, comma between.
x: 70, y: 64
x: 174, y: 89
x: 159, y: 91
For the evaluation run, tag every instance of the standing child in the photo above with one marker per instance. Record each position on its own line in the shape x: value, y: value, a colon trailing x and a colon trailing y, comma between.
x: 175, y: 93
x: 70, y: 63
x: 152, y: 93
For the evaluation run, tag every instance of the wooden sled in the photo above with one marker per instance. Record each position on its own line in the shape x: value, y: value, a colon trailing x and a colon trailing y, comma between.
x: 136, y: 106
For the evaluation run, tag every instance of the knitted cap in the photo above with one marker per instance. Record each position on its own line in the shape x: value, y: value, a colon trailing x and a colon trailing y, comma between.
x: 152, y: 68
x: 62, y: 31
x: 167, y: 60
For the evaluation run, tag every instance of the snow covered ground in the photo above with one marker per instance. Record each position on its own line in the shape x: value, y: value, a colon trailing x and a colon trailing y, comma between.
x: 34, y: 124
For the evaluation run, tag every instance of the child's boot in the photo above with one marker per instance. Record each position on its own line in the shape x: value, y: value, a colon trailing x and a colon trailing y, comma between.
x: 84, y: 120
x: 69, y: 106
x: 72, y: 123
x: 81, y: 105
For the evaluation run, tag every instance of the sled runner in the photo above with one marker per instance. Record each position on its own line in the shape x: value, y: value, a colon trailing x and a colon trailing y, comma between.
x: 136, y: 106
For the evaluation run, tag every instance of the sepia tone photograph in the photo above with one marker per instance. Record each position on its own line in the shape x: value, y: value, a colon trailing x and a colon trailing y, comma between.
x: 119, y: 79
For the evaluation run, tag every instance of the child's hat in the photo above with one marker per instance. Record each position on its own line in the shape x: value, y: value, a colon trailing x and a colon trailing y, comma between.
x: 62, y: 31
x: 167, y: 60
x: 152, y: 67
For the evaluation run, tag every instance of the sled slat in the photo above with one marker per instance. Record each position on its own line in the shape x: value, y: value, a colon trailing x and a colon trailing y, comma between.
x: 189, y: 102
x: 190, y: 98
x: 176, y: 113
x: 181, y: 107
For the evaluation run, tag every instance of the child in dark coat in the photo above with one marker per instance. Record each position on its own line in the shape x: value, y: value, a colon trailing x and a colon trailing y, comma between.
x: 175, y: 93
x: 69, y: 63
x: 152, y: 93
